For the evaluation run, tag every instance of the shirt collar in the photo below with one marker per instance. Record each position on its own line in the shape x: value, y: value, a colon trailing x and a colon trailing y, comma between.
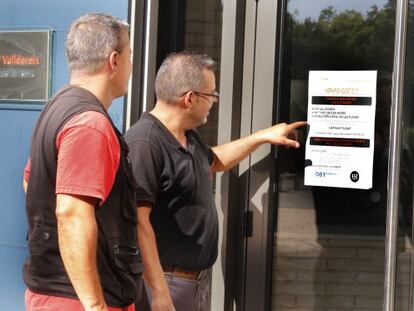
x: 170, y: 137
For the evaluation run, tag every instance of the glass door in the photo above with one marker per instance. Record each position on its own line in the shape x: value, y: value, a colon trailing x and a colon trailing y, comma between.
x: 329, y: 243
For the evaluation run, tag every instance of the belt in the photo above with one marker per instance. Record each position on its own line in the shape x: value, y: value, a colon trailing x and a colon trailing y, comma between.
x: 182, y: 273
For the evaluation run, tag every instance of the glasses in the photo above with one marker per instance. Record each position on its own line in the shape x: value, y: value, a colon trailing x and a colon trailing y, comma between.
x: 215, y: 95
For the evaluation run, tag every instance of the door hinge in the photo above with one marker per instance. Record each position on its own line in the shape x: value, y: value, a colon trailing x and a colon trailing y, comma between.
x: 248, y: 224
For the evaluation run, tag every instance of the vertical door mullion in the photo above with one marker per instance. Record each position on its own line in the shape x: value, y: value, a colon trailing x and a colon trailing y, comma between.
x: 260, y: 162
x: 394, y: 154
x: 246, y: 129
x: 137, y: 17
x: 227, y: 270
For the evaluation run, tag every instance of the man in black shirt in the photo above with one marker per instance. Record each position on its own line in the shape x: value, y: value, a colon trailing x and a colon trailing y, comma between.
x: 177, y: 219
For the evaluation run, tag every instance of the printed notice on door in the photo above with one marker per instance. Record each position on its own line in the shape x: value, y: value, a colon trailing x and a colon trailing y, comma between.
x: 341, y: 117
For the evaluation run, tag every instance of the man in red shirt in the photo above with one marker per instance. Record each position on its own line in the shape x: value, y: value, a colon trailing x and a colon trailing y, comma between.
x: 80, y: 188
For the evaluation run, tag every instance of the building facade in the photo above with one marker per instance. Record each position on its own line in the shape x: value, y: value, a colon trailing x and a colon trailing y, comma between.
x: 283, y: 245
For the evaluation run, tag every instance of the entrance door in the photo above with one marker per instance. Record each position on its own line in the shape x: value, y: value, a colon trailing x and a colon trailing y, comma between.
x: 329, y: 243
x: 322, y: 248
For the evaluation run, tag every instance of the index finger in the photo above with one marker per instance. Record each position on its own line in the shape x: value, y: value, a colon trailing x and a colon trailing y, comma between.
x: 295, y: 125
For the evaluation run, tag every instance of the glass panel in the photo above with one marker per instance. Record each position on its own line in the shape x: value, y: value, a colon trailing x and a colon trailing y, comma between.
x: 405, y: 272
x: 203, y: 35
x: 193, y: 26
x: 329, y: 242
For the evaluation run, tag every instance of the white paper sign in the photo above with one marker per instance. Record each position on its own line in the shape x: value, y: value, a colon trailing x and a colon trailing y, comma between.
x: 341, y: 116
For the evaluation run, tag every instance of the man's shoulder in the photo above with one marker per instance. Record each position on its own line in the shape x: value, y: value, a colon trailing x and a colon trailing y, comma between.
x: 89, y: 128
x: 145, y: 129
x: 76, y: 106
x: 91, y: 119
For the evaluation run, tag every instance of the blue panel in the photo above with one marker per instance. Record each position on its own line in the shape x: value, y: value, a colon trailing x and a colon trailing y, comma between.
x: 17, y: 122
x: 16, y: 128
x: 58, y: 14
x: 60, y: 73
x: 12, y: 286
x: 116, y: 112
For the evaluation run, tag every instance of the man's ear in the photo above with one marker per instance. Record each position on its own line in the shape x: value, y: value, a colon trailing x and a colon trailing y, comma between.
x: 189, y: 99
x: 113, y: 60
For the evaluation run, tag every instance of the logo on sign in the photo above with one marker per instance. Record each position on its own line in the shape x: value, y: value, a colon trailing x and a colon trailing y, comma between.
x: 354, y: 176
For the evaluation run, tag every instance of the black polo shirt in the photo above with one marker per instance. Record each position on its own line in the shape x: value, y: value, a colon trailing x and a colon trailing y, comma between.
x: 178, y: 182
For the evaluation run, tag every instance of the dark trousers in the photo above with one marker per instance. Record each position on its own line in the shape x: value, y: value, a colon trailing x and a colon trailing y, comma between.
x: 186, y: 294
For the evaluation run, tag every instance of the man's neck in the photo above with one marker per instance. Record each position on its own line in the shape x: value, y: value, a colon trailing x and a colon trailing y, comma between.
x: 96, y: 84
x: 170, y: 116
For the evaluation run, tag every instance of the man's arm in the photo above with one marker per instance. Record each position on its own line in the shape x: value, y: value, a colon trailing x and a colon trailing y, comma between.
x: 78, y: 235
x: 153, y: 273
x: 230, y: 154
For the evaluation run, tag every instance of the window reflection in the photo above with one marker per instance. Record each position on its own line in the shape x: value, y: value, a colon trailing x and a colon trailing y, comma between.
x: 341, y: 40
x: 329, y: 242
x: 203, y: 35
x: 193, y: 26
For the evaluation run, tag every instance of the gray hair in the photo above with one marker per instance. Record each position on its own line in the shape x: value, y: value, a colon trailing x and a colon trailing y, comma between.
x: 179, y: 73
x: 91, y: 39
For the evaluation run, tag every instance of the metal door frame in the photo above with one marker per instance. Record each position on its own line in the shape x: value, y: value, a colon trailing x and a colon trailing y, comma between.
x: 261, y: 187
x: 259, y: 247
x: 394, y: 154
x: 247, y: 88
x: 228, y: 271
x: 143, y: 16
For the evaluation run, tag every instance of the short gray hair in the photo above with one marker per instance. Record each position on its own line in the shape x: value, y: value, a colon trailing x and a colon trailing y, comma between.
x: 179, y: 73
x: 91, y: 39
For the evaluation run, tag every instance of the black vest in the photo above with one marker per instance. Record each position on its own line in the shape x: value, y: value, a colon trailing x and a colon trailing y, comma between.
x: 118, y: 260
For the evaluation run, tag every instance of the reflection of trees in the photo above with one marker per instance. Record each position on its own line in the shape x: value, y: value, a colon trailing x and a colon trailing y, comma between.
x: 351, y: 41
x: 410, y: 45
x: 406, y: 168
x: 347, y: 40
